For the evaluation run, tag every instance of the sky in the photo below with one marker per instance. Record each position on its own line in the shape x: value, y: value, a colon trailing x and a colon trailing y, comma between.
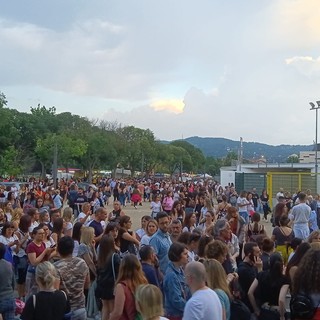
x: 180, y: 68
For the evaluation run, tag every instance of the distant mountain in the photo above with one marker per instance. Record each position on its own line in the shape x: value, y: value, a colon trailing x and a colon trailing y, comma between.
x: 219, y: 148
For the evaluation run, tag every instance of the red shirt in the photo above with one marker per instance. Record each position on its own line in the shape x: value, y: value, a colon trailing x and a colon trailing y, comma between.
x: 33, y: 248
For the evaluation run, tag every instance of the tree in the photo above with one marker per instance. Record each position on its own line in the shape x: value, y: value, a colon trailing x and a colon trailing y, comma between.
x: 197, y: 157
x: 293, y: 159
x: 10, y: 162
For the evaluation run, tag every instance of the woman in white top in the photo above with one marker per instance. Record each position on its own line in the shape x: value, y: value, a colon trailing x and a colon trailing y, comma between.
x: 9, y: 239
x: 155, y: 206
x: 151, y: 229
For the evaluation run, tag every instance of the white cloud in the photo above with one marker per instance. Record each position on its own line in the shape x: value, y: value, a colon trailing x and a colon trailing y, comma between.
x: 305, y: 65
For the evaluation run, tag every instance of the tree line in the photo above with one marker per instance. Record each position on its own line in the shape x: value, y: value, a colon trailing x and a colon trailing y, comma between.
x: 28, y: 140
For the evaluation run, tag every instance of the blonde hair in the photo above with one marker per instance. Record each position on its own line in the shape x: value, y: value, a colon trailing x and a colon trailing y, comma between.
x: 216, y: 276
x: 46, y: 274
x: 87, y: 235
x: 67, y: 214
x: 149, y: 301
x: 313, y: 235
x: 17, y: 214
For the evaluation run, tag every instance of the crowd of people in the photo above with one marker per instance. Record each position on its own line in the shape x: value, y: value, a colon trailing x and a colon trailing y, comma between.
x: 202, y: 252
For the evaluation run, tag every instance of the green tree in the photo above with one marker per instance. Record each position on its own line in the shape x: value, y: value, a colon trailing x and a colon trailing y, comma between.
x: 197, y: 157
x: 10, y: 162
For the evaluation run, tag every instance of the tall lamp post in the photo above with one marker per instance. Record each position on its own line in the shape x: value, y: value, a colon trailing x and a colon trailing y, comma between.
x: 316, y: 107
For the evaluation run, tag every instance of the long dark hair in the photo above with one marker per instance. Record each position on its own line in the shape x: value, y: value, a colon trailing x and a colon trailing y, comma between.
x: 76, y: 231
x: 297, y: 257
x: 106, y: 250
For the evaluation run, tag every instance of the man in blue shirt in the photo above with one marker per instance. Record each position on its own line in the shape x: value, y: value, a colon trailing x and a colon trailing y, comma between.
x: 161, y: 241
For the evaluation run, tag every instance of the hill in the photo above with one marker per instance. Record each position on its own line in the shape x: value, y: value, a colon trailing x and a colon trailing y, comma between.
x: 219, y: 148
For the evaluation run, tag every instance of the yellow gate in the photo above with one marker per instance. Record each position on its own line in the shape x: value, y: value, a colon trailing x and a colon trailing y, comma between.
x: 291, y: 182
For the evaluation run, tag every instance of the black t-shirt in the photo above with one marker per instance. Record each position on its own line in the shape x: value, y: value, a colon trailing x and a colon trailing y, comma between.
x: 255, y: 198
x: 247, y: 273
x: 270, y: 288
x: 48, y: 305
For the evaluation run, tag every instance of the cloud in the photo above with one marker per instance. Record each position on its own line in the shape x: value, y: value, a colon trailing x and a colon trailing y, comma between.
x: 307, y: 66
x: 171, y: 105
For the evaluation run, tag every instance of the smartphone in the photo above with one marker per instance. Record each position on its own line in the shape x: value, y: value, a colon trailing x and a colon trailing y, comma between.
x: 53, y: 246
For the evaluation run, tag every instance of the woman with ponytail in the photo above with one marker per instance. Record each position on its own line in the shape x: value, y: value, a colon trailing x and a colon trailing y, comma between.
x: 48, y: 303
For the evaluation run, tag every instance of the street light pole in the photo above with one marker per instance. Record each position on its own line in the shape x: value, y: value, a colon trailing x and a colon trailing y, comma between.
x: 314, y: 107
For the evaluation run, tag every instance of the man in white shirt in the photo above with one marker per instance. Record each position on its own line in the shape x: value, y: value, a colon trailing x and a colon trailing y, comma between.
x: 204, y: 303
x: 301, y: 214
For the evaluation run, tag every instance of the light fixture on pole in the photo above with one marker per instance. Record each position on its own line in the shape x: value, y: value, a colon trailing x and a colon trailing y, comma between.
x: 314, y: 107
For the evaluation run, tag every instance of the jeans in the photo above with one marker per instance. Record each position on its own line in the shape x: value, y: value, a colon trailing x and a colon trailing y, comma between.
x: 79, y: 314
x: 7, y: 308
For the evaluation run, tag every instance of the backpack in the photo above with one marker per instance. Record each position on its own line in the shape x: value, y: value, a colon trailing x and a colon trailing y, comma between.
x: 302, y: 307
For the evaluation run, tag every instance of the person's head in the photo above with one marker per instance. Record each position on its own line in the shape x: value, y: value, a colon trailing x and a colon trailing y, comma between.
x: 178, y: 253
x: 280, y: 209
x: 216, y: 249
x: 57, y: 226
x: 44, y: 216
x: 276, y: 266
x: 116, y: 205
x: 147, y: 253
x: 251, y: 251
x: 86, y: 207
x: 306, y: 279
x: 131, y: 270
x: 302, y: 197
x: 195, y: 273
x: 144, y: 221
x: 106, y: 249
x: 222, y: 229
x: 67, y: 214
x: 39, y: 203
x: 125, y: 222
x: 87, y: 235
x: 149, y: 302
x: 54, y: 214
x: 193, y: 242
x: 25, y: 223
x: 7, y: 229
x: 204, y: 240
x: 163, y: 221
x: 255, y: 217
x: 112, y: 229
x: 100, y: 214
x: 175, y: 228
x: 216, y: 276
x: 33, y: 213
x: 295, y: 243
x: 65, y: 246
x: 267, y: 245
x: 232, y: 213
x: 314, y: 236
x: 38, y: 234
x: 17, y: 214
x: 284, y: 220
x: 190, y: 219
x: 76, y: 231
x: 151, y: 227
x: 46, y: 275
x: 243, y: 194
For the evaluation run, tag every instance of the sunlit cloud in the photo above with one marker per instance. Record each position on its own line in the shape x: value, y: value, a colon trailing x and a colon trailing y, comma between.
x: 172, y: 105
x: 305, y: 65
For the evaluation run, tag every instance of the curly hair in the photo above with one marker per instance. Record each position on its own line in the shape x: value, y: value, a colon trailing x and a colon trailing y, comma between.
x: 307, y: 276
x: 216, y: 249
